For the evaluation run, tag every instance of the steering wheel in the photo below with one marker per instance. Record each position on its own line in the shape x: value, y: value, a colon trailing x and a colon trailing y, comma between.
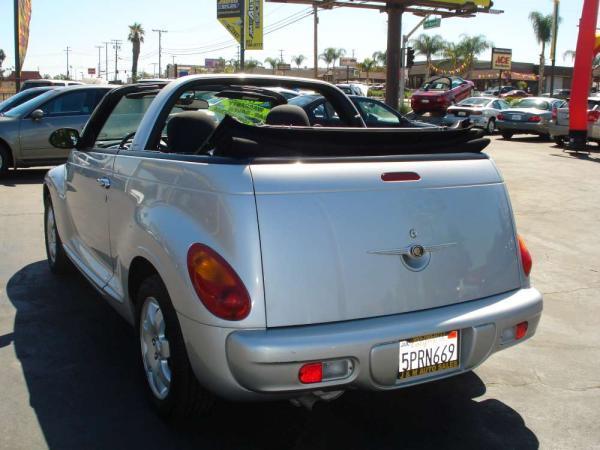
x: 125, y: 139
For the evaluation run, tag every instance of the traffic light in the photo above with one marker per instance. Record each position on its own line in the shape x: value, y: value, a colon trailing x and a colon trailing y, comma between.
x: 410, y: 57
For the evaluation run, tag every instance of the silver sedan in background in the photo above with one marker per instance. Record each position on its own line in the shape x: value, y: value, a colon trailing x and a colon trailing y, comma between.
x: 482, y: 111
x: 530, y: 115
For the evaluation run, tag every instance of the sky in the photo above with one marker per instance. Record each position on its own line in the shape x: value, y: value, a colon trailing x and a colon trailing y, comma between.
x: 194, y: 32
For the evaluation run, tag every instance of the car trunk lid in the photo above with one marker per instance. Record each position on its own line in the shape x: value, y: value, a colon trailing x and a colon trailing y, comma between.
x: 336, y: 239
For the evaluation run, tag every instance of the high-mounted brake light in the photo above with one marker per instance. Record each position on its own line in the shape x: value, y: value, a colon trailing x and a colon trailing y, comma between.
x: 400, y: 176
x: 217, y: 285
x: 526, y: 259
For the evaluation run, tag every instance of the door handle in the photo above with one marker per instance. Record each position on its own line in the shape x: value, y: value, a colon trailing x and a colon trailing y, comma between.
x: 104, y: 182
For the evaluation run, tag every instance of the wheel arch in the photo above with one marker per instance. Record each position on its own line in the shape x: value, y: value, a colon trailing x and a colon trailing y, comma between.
x: 139, y: 269
x: 11, y: 155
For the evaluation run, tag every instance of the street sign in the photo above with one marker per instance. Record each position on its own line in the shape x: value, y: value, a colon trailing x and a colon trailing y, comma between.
x: 435, y: 22
x: 284, y: 66
x: 91, y: 71
x: 501, y: 59
x: 348, y: 62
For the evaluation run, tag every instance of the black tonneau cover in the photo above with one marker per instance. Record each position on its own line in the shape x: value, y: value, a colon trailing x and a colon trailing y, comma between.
x: 234, y: 139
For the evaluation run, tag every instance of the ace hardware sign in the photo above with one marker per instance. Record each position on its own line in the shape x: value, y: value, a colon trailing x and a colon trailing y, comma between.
x: 501, y: 59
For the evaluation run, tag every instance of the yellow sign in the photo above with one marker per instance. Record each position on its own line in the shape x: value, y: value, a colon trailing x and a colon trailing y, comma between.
x: 254, y: 24
x: 482, y: 3
x: 229, y: 14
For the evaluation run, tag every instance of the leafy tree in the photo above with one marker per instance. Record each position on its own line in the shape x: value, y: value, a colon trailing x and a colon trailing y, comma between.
x: 329, y: 56
x: 251, y: 64
x: 2, y: 58
x: 428, y: 46
x: 368, y: 65
x: 272, y: 62
x: 298, y: 60
x: 380, y: 58
x: 60, y: 76
x: 471, y: 47
x: 136, y: 37
x: 542, y: 28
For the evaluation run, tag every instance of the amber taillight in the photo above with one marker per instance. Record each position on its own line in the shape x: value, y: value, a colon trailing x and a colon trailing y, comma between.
x: 526, y: 260
x: 217, y: 285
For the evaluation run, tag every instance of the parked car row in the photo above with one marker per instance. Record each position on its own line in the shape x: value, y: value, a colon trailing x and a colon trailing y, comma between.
x: 559, y: 124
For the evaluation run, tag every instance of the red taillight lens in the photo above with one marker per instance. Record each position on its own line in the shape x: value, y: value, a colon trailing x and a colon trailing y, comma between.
x: 525, y: 256
x: 554, y: 113
x: 500, y: 116
x: 311, y: 373
x: 216, y: 283
x: 593, y: 116
x: 534, y: 119
x: 521, y: 330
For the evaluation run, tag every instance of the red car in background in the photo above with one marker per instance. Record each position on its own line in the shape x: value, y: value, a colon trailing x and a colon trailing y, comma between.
x: 437, y: 94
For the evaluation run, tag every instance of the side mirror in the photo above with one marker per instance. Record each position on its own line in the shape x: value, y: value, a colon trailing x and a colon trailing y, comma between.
x: 66, y: 138
x: 37, y: 114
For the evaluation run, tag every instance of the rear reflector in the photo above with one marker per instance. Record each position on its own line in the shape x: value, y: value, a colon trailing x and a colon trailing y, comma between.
x: 311, y: 373
x: 521, y: 330
x: 526, y: 259
x: 400, y: 176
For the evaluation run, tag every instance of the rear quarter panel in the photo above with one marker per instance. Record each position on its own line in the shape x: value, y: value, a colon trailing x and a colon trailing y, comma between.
x: 159, y: 208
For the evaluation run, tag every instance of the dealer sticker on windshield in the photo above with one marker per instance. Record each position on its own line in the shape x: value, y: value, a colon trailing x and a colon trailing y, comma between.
x: 428, y: 354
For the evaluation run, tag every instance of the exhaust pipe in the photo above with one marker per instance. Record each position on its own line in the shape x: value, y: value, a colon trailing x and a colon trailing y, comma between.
x: 308, y: 400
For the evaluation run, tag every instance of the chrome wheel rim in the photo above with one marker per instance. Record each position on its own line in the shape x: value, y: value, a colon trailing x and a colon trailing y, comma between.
x: 491, y: 126
x: 51, y: 234
x: 155, y: 348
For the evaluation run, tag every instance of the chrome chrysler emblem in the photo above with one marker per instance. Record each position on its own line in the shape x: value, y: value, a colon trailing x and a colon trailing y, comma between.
x: 415, y: 251
x: 412, y: 233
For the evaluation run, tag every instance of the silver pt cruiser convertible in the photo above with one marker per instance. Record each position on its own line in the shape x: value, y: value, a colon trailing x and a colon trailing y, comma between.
x: 260, y: 257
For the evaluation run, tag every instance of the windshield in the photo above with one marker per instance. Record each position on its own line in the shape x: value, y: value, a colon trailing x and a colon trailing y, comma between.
x: 17, y: 99
x: 441, y: 84
x: 28, y: 106
x: 474, y: 101
x: 533, y: 103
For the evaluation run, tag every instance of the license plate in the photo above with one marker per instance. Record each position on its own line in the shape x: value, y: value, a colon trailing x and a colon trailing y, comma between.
x: 424, y: 100
x: 517, y: 117
x: 462, y: 113
x: 423, y: 355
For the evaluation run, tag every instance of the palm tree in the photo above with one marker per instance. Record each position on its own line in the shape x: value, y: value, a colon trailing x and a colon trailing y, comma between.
x: 471, y: 47
x: 252, y: 64
x: 454, y: 53
x: 272, y: 62
x: 428, y: 46
x: 339, y: 52
x: 542, y: 27
x: 368, y: 65
x: 329, y: 56
x: 136, y: 37
x: 571, y: 54
x: 380, y: 58
x: 298, y: 60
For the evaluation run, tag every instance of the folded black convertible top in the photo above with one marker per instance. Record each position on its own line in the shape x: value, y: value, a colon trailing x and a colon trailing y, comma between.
x: 234, y: 139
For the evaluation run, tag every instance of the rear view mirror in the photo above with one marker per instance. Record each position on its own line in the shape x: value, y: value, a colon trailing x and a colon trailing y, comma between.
x: 66, y: 138
x: 37, y: 114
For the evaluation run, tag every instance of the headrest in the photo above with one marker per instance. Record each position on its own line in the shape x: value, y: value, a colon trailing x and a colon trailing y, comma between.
x: 188, y: 130
x: 291, y: 115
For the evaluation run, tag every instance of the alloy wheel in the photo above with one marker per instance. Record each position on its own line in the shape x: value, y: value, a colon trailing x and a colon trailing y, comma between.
x: 155, y: 348
x: 51, y: 240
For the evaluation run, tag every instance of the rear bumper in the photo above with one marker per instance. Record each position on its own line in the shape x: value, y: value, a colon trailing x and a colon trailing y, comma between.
x: 523, y: 127
x: 252, y: 364
x: 557, y: 130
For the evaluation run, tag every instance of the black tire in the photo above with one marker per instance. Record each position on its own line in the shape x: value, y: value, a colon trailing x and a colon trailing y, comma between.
x: 507, y: 135
x: 544, y: 137
x: 185, y: 396
x: 5, y: 159
x: 559, y: 141
x: 58, y: 260
x: 491, y: 124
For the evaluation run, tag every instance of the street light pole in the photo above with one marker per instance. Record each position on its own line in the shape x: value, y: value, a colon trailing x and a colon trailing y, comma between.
x: 394, y: 35
x: 67, y: 51
x: 160, y: 32
x: 553, y: 48
x: 315, y: 42
x: 405, y: 40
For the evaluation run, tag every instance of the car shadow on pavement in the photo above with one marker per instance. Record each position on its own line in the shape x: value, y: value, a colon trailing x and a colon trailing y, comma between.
x: 582, y: 156
x: 23, y: 176
x: 80, y: 363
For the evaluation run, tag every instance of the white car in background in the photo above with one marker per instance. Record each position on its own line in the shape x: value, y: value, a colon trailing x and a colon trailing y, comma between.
x: 481, y: 111
x: 559, y: 124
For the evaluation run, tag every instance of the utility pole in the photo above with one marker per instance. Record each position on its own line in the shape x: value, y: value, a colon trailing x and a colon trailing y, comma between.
x: 154, y: 69
x: 243, y: 36
x: 106, y: 59
x: 281, y: 55
x: 99, y: 47
x: 67, y: 52
x: 160, y: 32
x: 117, y: 46
x: 315, y: 42
x: 553, y: 48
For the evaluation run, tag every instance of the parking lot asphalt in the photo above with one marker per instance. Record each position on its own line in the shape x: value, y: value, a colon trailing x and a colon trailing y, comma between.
x: 69, y: 374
